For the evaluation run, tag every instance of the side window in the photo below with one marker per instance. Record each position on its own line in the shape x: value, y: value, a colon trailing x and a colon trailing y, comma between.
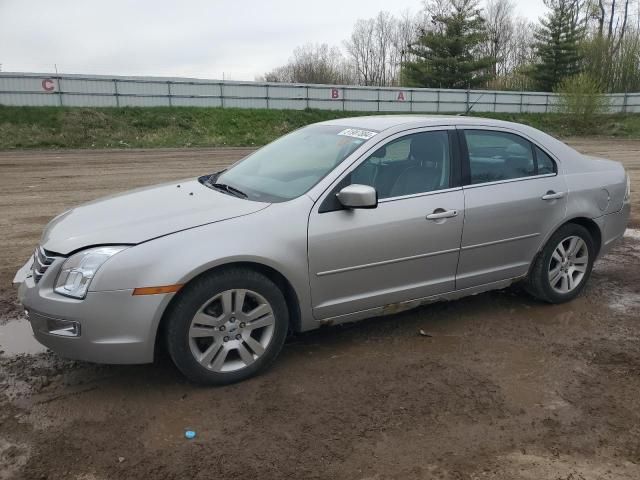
x: 497, y: 156
x: 545, y: 163
x: 395, y: 151
x: 417, y: 163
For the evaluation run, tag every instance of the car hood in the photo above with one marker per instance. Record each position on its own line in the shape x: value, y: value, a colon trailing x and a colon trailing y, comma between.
x: 140, y: 215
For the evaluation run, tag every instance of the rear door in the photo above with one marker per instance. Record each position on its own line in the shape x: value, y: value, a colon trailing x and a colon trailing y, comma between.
x: 513, y: 198
x: 406, y: 248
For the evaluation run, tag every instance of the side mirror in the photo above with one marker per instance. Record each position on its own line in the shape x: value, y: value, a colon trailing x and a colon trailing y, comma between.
x: 358, y: 196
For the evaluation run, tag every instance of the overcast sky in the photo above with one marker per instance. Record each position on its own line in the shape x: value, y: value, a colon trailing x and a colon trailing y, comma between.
x: 195, y: 38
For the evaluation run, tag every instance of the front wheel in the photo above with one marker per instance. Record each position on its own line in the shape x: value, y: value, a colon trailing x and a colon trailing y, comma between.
x: 562, y: 269
x: 227, y: 326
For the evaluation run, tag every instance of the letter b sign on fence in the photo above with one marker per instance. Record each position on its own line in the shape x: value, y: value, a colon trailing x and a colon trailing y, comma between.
x: 335, y: 94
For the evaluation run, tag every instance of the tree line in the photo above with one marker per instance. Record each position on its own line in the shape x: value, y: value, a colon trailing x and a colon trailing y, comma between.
x: 461, y: 44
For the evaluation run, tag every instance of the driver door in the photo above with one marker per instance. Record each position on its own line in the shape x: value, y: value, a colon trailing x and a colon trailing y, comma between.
x: 404, y: 249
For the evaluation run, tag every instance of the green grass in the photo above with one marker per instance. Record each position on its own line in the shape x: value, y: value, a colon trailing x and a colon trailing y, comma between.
x: 54, y: 127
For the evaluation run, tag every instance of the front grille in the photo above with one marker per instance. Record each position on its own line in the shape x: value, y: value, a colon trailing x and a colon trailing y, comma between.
x: 42, y: 260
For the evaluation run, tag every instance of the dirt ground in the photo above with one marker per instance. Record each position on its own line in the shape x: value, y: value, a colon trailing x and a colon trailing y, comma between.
x: 503, y: 387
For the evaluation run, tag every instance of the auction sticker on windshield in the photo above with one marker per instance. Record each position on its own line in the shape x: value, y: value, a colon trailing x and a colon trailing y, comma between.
x: 355, y: 133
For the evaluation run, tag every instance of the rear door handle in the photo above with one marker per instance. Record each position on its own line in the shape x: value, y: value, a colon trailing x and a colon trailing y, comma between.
x: 551, y: 195
x: 440, y: 213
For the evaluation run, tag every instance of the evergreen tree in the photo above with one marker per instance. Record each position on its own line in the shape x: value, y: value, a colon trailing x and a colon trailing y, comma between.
x: 558, y: 44
x: 447, y: 55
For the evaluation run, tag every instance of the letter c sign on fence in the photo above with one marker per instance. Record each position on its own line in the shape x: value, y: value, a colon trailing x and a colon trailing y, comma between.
x: 48, y: 85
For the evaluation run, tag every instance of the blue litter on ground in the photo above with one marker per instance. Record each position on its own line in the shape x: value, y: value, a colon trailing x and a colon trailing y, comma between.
x: 189, y: 434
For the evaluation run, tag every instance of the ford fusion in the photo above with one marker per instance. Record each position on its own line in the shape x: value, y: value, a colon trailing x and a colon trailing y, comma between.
x: 335, y: 222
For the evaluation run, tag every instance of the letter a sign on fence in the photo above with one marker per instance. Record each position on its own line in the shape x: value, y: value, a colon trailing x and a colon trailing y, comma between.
x: 400, y: 97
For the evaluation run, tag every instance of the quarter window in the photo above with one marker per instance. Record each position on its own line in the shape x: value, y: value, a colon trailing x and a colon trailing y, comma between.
x: 416, y: 163
x: 497, y: 156
x: 545, y: 164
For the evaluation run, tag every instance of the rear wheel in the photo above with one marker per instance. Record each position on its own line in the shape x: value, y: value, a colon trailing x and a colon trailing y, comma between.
x: 227, y: 326
x: 562, y: 269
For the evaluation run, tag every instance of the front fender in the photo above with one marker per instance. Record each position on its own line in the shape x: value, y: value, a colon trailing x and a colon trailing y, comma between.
x: 275, y: 237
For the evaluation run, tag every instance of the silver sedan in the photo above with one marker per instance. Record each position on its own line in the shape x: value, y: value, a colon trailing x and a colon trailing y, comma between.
x: 335, y: 222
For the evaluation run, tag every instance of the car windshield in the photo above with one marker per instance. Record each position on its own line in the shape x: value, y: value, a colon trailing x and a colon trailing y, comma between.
x: 290, y: 166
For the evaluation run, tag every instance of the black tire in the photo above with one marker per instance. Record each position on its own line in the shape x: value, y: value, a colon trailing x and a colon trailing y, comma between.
x: 538, y: 284
x: 197, y: 293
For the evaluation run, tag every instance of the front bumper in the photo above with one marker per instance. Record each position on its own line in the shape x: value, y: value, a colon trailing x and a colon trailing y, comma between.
x: 114, y: 327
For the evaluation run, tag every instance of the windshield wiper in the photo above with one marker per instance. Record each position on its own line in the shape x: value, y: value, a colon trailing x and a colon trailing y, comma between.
x: 229, y: 189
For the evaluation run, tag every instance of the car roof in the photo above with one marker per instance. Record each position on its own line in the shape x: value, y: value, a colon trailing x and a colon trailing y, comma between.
x: 384, y: 122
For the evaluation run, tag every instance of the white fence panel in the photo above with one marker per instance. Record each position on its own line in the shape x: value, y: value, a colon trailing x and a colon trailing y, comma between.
x: 30, y: 100
x: 616, y: 101
x: 276, y: 91
x: 361, y: 94
x: 633, y: 103
x: 279, y: 104
x: 425, y: 107
x: 395, y: 107
x: 46, y: 89
x: 245, y: 102
x: 195, y: 90
x: 508, y: 98
x: 196, y: 101
x: 361, y: 106
x: 326, y: 104
x: 507, y: 107
x: 245, y: 91
x: 136, y: 101
x: 27, y: 84
x: 69, y: 100
x: 482, y: 107
x: 87, y: 86
x: 143, y: 88
x: 326, y: 93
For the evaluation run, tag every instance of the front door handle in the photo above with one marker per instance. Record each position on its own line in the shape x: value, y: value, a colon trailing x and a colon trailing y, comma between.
x: 440, y: 213
x: 551, y: 195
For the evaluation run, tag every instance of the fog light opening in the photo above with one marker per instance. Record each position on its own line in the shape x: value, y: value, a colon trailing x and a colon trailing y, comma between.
x: 63, y: 328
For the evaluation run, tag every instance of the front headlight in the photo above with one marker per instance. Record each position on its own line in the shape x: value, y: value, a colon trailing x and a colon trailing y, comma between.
x: 627, y: 193
x: 79, y: 269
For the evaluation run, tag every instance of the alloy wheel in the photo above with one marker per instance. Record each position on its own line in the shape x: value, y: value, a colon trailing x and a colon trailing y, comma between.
x: 231, y: 330
x: 568, y: 265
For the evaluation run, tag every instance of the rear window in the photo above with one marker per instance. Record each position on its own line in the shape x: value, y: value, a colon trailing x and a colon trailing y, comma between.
x: 495, y: 156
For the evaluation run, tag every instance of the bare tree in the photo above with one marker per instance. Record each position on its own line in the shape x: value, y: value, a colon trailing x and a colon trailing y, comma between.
x: 361, y: 50
x: 378, y: 46
x: 500, y: 25
x: 616, y: 15
x: 611, y: 47
x: 312, y: 63
x: 408, y: 25
x: 520, y: 51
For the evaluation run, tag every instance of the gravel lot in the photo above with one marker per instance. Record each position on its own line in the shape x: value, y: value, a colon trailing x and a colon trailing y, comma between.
x: 504, y: 387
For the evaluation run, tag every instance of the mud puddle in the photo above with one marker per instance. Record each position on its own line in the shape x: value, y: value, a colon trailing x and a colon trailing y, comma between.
x: 16, y: 338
